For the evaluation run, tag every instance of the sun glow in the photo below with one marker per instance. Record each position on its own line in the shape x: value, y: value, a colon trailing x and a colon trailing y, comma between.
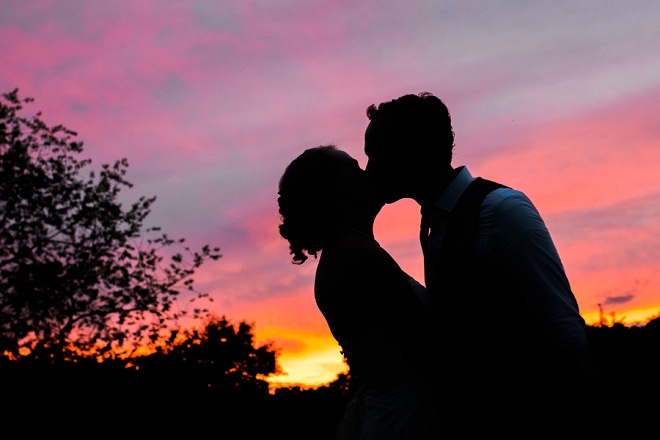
x: 629, y: 317
x: 319, y: 363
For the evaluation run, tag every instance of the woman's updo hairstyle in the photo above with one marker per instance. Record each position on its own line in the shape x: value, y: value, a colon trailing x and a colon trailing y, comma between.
x: 310, y: 189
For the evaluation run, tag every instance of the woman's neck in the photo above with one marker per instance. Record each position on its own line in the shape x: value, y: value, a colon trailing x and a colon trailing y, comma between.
x: 361, y: 224
x: 365, y: 234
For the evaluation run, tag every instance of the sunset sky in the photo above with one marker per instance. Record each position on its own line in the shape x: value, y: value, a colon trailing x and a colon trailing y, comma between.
x: 210, y: 100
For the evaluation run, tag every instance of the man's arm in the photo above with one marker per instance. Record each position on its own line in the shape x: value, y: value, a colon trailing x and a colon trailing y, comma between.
x: 519, y: 241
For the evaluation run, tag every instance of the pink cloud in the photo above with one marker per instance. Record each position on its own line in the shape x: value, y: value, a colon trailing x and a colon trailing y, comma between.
x: 594, y: 178
x: 592, y: 160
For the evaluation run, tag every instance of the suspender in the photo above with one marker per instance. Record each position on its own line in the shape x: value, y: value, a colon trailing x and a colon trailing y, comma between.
x: 458, y: 240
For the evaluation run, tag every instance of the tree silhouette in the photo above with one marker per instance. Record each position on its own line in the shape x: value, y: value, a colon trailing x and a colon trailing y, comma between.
x: 220, y: 356
x: 75, y: 274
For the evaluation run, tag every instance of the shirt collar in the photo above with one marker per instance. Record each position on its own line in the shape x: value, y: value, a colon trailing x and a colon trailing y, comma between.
x: 454, y: 190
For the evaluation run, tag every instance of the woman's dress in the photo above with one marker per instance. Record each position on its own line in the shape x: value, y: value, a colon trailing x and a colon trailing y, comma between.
x: 387, y: 337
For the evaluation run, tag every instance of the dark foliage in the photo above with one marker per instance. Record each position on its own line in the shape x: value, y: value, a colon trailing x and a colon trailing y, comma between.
x: 159, y: 399
x: 624, y: 399
x: 204, y: 383
x: 76, y: 276
x: 221, y: 356
x: 627, y: 351
x: 312, y: 413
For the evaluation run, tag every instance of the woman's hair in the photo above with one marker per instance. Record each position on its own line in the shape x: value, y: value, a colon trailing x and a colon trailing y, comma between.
x: 310, y: 189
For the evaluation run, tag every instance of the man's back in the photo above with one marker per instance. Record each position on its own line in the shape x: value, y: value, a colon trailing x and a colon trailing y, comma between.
x: 515, y: 339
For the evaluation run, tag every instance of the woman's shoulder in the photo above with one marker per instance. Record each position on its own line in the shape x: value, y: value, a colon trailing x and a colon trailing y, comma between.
x: 357, y: 266
x: 351, y: 252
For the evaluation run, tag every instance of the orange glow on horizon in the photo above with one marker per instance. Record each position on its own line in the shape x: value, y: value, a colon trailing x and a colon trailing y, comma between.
x: 627, y: 317
x: 318, y: 365
x: 320, y: 361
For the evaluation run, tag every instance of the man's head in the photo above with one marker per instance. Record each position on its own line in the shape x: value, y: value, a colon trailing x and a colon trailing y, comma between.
x: 408, y: 142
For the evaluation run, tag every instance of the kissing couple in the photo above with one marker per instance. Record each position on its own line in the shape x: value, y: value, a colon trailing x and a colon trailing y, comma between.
x: 494, y: 345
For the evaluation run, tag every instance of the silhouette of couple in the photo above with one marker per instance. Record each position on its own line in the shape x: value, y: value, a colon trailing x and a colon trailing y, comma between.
x: 494, y: 346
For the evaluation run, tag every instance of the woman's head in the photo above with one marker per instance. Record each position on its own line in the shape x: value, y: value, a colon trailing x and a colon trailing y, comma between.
x: 318, y: 190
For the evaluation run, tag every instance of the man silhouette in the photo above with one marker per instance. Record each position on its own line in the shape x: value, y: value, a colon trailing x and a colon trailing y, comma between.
x: 513, y: 342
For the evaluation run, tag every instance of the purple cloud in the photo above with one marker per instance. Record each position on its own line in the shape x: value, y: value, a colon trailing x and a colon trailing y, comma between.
x: 618, y: 299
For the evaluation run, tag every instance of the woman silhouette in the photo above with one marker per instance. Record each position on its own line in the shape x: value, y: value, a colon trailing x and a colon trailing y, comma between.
x: 381, y: 317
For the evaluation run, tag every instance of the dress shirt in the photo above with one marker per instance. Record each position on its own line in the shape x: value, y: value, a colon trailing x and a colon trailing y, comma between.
x: 510, y: 232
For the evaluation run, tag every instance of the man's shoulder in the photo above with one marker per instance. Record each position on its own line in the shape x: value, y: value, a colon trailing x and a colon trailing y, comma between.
x: 505, y: 197
x: 498, y: 192
x: 510, y: 208
x: 508, y: 214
